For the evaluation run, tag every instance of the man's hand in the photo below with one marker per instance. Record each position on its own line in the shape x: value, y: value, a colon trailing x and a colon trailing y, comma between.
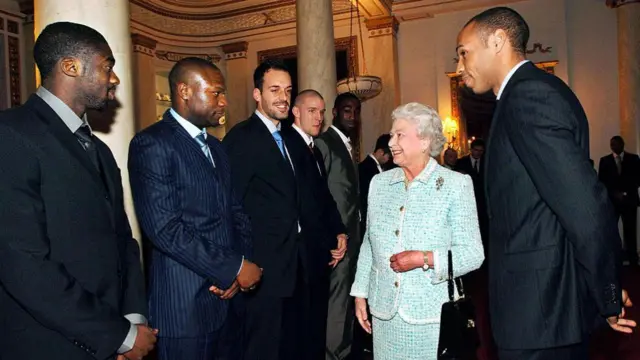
x: 619, y: 323
x: 226, y: 294
x: 145, y: 341
x: 249, y: 275
x: 338, y: 253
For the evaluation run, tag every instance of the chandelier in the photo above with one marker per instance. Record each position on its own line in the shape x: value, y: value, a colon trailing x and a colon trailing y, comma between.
x: 364, y: 87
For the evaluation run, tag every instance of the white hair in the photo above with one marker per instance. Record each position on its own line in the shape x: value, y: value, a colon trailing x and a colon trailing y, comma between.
x: 426, y: 120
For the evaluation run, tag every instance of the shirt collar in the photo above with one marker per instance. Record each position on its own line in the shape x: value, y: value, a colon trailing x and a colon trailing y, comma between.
x: 268, y: 123
x: 63, y: 111
x: 344, y: 138
x: 508, y: 77
x: 191, y: 129
x: 621, y: 156
x: 307, y: 139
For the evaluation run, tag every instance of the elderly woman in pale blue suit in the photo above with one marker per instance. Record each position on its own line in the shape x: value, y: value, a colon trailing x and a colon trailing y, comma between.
x: 417, y: 212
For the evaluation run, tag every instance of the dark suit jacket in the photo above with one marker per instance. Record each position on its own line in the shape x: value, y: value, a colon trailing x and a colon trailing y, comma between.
x: 320, y: 219
x: 343, y: 184
x: 628, y: 181
x: 268, y: 189
x: 555, y: 249
x: 367, y: 169
x: 187, y: 209
x: 69, y: 267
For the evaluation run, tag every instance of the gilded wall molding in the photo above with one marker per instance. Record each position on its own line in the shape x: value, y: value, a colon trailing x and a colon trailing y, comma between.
x: 387, y: 25
x: 175, y: 57
x: 236, y: 50
x: 253, y: 17
x: 143, y: 44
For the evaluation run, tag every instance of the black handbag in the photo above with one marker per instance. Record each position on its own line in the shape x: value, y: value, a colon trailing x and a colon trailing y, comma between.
x: 458, y: 335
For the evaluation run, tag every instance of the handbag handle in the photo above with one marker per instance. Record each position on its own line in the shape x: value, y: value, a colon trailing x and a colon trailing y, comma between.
x: 451, y: 279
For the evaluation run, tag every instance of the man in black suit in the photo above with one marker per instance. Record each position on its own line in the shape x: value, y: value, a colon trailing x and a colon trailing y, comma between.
x: 200, y: 237
x: 371, y: 166
x: 321, y: 224
x: 620, y: 173
x: 473, y: 165
x: 70, y: 275
x: 554, y: 255
x: 266, y: 178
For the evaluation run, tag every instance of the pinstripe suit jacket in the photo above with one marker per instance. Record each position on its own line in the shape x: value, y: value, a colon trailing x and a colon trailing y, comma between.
x: 198, y: 231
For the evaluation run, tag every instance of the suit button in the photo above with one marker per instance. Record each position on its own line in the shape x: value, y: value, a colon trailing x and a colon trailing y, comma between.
x: 106, y: 197
x: 397, y: 232
x: 396, y: 284
x: 401, y: 208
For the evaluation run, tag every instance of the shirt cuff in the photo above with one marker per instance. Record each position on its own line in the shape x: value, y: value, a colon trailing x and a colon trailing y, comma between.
x: 130, y: 340
x: 241, y: 263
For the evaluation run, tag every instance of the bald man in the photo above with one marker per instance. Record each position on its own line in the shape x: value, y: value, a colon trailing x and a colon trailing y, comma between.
x: 200, y: 238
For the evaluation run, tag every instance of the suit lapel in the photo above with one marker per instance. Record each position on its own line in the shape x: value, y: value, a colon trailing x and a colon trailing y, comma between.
x: 271, y: 148
x: 343, y: 152
x: 65, y: 137
x: 189, y: 143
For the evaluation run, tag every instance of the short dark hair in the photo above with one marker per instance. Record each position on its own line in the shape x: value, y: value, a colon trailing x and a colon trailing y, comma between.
x: 343, y: 97
x: 383, y: 143
x: 263, y: 68
x: 506, y: 19
x: 65, y: 39
x: 618, y: 138
x: 477, y: 143
x: 180, y: 70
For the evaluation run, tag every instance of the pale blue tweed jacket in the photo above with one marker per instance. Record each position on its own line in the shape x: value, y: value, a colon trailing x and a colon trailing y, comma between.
x: 436, y: 213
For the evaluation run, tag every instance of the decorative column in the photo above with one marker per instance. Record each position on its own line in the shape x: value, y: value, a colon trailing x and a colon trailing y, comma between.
x: 316, y: 50
x: 144, y: 80
x: 111, y: 19
x: 628, y: 13
x: 238, y: 79
x: 382, y: 61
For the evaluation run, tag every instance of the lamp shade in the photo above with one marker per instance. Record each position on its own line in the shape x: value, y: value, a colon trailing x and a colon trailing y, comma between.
x: 364, y: 87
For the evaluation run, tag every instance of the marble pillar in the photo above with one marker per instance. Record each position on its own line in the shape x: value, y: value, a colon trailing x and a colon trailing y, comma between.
x: 238, y: 80
x: 144, y: 80
x: 316, y: 50
x: 628, y: 14
x: 381, y: 60
x: 111, y: 19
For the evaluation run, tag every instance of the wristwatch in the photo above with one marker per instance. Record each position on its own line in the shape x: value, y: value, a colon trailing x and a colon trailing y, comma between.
x: 425, y: 267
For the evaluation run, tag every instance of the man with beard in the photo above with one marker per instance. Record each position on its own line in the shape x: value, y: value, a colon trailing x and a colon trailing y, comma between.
x: 555, y: 249
x: 186, y: 207
x: 266, y: 174
x: 70, y: 275
x: 335, y: 146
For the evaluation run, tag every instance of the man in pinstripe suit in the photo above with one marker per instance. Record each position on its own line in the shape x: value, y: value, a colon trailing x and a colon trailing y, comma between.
x: 199, y: 234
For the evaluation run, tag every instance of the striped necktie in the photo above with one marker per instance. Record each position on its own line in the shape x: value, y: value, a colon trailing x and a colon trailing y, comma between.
x: 204, y: 147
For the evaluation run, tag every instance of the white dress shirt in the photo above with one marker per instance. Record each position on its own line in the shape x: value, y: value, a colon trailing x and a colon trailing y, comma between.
x: 508, y: 77
x: 345, y: 139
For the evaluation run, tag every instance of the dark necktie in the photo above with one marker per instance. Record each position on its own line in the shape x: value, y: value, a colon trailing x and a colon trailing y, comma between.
x: 85, y: 139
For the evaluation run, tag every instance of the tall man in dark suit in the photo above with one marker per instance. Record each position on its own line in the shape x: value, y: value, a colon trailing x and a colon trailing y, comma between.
x: 620, y: 173
x: 201, y: 238
x: 322, y: 224
x: 266, y: 177
x: 371, y: 166
x: 554, y: 256
x: 335, y: 146
x: 473, y: 165
x: 70, y: 274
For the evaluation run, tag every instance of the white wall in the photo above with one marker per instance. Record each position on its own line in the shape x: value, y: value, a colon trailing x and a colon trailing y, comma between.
x: 586, y: 54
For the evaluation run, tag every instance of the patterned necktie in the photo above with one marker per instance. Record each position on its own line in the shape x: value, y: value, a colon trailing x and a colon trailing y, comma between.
x: 204, y: 147
x: 618, y: 163
x: 84, y: 138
